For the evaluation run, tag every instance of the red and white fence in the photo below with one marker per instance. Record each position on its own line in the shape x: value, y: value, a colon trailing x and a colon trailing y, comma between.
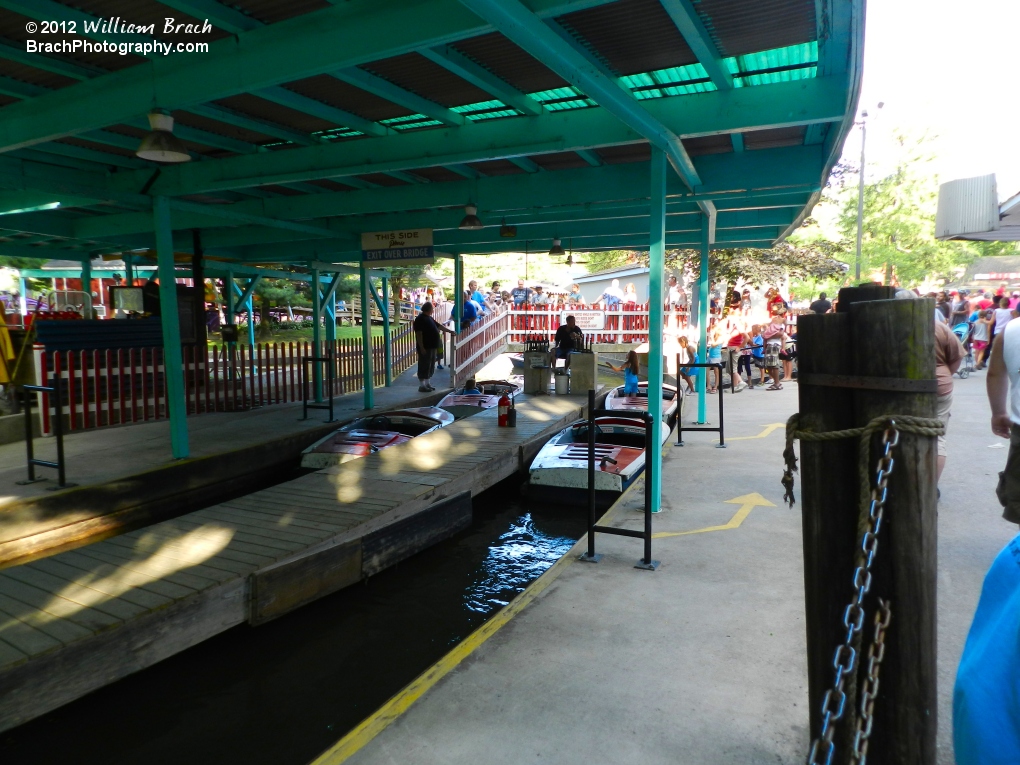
x: 627, y: 324
x: 128, y: 385
x: 475, y: 345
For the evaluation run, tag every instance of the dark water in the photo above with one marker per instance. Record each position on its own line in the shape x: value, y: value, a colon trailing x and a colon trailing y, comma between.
x: 284, y: 692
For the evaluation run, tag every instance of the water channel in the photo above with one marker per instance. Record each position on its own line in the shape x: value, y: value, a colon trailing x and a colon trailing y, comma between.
x: 283, y: 692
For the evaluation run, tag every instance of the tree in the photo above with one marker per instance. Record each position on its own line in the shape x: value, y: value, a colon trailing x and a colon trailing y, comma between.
x: 406, y: 277
x: 819, y: 259
x: 898, y: 224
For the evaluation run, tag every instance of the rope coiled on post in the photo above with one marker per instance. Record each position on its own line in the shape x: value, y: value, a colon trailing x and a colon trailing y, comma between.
x: 918, y: 426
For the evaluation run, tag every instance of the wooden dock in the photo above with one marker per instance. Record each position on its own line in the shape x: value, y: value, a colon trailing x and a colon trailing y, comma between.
x: 82, y: 619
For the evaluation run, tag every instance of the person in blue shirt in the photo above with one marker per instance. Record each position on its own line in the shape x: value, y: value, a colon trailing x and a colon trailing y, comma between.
x: 477, y: 296
x: 986, y: 698
x: 470, y: 312
x: 757, y: 353
x: 630, y: 369
x: 521, y: 295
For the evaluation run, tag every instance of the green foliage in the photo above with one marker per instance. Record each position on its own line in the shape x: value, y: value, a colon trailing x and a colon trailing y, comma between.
x: 406, y: 277
x: 817, y: 260
x: 899, y: 223
x: 603, y: 261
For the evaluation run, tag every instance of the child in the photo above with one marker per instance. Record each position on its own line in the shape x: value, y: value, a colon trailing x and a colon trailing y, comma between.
x: 744, y: 360
x: 981, y: 337
x: 687, y: 356
x: 758, y: 352
x: 714, y: 357
x: 630, y: 369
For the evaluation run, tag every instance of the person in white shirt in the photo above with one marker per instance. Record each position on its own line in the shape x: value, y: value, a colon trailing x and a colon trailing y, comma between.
x: 613, y: 295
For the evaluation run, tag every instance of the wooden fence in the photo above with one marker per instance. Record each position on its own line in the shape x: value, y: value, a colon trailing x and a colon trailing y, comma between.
x: 128, y: 385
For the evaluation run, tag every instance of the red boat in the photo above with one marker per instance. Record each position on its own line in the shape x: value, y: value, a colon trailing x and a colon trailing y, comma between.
x: 370, y: 434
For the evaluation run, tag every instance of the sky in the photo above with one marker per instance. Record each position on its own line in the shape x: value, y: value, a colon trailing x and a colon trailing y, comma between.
x: 949, y: 69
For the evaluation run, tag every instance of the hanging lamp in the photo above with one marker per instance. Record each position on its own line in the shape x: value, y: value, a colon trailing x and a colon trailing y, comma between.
x: 471, y: 221
x: 160, y: 144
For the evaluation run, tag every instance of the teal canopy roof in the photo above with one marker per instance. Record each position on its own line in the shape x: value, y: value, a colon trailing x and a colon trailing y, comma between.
x: 311, y: 122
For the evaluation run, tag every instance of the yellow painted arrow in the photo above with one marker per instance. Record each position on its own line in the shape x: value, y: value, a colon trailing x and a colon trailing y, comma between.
x: 747, y: 503
x: 769, y: 429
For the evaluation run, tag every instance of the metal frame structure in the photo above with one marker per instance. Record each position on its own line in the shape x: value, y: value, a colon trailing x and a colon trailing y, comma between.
x: 622, y: 124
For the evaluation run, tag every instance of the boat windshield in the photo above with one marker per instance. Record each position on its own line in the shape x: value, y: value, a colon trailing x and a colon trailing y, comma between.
x: 611, y: 436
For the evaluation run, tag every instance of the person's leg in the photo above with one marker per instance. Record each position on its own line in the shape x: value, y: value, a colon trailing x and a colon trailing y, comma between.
x: 430, y: 368
x: 942, y: 407
x: 423, y: 369
x: 1008, y: 490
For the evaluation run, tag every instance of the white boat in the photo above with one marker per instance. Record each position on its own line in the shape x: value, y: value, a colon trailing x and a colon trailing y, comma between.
x: 559, y: 473
x: 672, y: 403
x: 368, y: 435
x: 462, y: 403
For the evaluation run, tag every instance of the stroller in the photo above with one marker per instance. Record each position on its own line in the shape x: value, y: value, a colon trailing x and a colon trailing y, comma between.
x: 963, y: 332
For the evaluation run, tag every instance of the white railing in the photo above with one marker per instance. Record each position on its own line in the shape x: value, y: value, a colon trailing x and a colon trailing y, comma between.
x: 477, y: 344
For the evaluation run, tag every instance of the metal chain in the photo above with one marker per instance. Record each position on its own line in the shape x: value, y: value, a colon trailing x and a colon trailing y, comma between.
x: 845, y: 660
x: 876, y: 652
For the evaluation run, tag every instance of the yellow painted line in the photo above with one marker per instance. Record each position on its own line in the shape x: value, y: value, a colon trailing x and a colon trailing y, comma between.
x: 747, y: 503
x: 769, y: 429
x: 388, y: 713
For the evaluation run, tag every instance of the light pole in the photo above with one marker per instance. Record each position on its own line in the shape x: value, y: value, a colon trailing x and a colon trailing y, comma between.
x: 860, y: 194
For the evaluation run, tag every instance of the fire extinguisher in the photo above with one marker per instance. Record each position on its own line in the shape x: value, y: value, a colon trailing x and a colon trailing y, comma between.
x: 504, y: 410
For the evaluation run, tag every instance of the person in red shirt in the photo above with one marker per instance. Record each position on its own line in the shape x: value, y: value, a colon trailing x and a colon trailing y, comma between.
x: 738, y: 340
x: 986, y: 302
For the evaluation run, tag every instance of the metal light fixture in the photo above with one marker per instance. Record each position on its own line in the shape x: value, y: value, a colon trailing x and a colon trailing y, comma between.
x: 557, y: 248
x: 160, y: 144
x: 507, y: 232
x: 471, y: 221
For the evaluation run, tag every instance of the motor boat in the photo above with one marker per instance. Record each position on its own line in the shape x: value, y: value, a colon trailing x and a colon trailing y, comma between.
x: 672, y: 404
x: 559, y: 473
x: 368, y: 435
x: 517, y: 360
x: 485, y: 395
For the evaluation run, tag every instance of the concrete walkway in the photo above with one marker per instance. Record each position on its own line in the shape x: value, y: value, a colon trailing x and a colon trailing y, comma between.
x: 702, y: 661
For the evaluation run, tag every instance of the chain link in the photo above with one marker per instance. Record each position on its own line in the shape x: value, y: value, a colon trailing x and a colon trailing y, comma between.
x: 876, y: 652
x: 844, y: 661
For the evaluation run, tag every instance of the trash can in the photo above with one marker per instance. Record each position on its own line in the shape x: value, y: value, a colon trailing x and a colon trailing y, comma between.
x: 562, y: 381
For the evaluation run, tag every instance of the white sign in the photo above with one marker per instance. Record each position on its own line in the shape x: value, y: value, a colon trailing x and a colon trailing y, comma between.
x: 585, y: 320
x: 402, y: 247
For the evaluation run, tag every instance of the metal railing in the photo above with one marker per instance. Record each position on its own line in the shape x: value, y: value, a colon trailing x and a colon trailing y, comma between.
x: 323, y: 391
x: 58, y: 432
x: 721, y: 365
x: 590, y: 556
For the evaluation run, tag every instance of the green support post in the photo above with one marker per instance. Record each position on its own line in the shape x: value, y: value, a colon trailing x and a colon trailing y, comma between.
x: 129, y: 270
x: 386, y: 330
x: 458, y: 289
x: 228, y: 305
x: 316, y: 335
x: 23, y: 296
x: 656, y: 266
x: 86, y: 285
x: 250, y: 305
x: 367, y: 371
x: 329, y: 315
x: 172, y: 356
x: 703, y: 324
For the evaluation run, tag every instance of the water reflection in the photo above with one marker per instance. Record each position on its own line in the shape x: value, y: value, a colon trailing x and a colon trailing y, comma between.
x: 518, y: 557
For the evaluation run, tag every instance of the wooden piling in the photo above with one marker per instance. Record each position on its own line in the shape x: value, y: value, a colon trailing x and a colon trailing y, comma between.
x: 872, y: 337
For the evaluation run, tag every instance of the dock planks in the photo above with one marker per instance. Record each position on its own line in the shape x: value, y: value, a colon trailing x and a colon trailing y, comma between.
x: 81, y: 619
